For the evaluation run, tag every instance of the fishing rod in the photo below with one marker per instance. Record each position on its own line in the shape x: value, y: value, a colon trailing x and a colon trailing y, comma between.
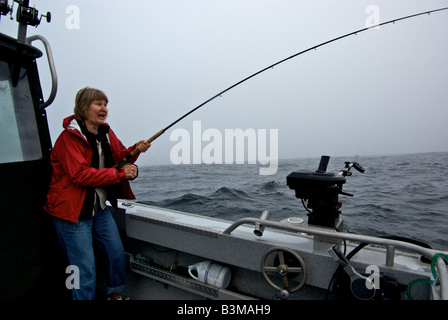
x: 158, y: 134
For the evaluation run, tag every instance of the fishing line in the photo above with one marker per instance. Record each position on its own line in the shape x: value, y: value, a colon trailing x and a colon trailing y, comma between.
x: 158, y: 134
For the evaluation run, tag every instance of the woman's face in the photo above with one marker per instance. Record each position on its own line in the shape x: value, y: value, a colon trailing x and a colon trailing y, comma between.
x: 96, y: 114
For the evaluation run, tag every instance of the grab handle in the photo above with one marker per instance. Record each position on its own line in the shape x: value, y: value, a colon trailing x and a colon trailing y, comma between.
x: 54, y: 77
x: 191, y: 268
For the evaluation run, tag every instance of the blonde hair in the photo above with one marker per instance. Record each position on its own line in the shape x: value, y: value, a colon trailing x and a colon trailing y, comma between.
x: 84, y: 98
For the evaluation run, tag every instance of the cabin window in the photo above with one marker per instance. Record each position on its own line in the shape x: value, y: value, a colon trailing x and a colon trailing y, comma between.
x: 19, y: 138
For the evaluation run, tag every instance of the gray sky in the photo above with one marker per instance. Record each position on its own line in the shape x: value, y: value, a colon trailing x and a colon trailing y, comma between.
x: 380, y: 92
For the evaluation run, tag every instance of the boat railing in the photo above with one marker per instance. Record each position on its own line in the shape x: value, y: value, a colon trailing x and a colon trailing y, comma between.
x: 389, y: 244
x: 54, y: 77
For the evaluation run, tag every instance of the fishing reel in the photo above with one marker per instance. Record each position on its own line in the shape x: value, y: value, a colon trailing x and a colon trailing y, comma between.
x: 25, y: 14
x: 321, y: 190
x: 4, y: 8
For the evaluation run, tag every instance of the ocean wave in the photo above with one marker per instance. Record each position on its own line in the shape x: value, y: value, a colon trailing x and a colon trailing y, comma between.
x: 221, y: 202
x: 233, y: 194
x: 269, y: 186
x: 399, y: 195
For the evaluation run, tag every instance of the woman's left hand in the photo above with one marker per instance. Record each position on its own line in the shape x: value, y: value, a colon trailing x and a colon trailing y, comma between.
x: 142, y: 146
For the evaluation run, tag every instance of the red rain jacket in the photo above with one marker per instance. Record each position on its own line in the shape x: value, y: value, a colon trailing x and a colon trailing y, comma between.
x: 71, y: 160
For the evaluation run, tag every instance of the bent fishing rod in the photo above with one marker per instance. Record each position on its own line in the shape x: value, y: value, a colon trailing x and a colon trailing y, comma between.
x: 158, y: 134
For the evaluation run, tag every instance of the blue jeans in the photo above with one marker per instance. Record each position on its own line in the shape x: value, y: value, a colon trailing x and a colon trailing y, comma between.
x: 77, y: 241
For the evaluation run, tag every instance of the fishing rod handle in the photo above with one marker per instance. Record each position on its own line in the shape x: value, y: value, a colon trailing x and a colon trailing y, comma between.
x: 154, y: 137
x: 136, y: 151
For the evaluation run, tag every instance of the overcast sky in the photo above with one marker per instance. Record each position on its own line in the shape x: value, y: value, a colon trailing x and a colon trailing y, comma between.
x: 383, y: 91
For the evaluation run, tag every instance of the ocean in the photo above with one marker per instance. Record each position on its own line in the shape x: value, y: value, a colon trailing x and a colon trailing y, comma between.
x: 399, y: 195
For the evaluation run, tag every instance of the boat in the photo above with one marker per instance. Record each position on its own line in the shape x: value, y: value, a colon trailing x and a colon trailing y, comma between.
x: 175, y: 255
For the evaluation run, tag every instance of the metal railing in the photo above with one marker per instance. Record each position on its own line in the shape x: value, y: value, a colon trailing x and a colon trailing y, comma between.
x: 54, y: 77
x: 389, y: 244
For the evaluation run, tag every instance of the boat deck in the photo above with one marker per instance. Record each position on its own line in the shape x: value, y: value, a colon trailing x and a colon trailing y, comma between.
x: 173, y: 240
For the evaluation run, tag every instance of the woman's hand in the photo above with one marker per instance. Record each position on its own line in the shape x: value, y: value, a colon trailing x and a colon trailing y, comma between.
x: 142, y: 146
x: 131, y: 171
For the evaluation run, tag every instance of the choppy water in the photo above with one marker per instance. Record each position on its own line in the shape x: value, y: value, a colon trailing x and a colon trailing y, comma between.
x: 402, y: 195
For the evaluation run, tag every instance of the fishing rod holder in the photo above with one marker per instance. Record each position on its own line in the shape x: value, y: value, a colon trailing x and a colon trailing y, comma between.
x: 259, y: 227
x: 321, y: 190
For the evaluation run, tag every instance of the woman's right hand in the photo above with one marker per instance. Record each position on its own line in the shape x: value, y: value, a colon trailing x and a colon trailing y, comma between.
x: 131, y: 171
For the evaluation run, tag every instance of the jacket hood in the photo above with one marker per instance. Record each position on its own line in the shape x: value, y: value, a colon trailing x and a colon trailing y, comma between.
x: 70, y: 124
x: 66, y: 122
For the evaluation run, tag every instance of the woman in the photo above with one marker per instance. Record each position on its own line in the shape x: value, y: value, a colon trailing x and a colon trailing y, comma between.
x: 83, y: 178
